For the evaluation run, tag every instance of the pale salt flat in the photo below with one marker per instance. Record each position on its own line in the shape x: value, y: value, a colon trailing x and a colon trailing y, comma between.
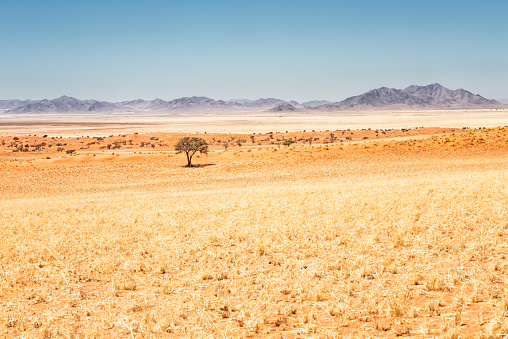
x: 245, y: 122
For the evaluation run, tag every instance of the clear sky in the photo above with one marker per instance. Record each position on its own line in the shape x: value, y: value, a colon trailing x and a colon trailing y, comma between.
x: 303, y: 50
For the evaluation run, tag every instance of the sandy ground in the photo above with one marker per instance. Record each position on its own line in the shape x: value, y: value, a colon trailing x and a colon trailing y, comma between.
x: 362, y: 233
x: 398, y: 237
x: 243, y: 122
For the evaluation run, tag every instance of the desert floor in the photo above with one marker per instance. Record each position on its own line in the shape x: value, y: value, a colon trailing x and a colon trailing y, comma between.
x: 244, y: 122
x: 369, y: 233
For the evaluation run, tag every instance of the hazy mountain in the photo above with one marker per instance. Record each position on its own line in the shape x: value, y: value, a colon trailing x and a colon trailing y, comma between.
x: 138, y: 103
x: 141, y: 104
x: 430, y: 97
x: 413, y: 97
x: 316, y: 103
x: 295, y: 103
x: 503, y: 101
x: 284, y: 108
x: 265, y: 103
x: 440, y: 95
x: 204, y: 104
x: 240, y: 101
x: 180, y: 105
x: 64, y: 104
x: 197, y: 104
x: 380, y: 97
x: 9, y: 104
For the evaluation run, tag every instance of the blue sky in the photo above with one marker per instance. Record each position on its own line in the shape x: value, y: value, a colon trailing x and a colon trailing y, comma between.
x: 302, y: 50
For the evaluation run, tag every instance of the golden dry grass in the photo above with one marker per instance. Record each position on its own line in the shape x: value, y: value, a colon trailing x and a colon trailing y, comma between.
x: 380, y: 239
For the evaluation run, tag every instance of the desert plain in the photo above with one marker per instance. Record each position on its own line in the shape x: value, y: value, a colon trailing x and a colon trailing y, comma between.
x: 392, y: 226
x: 97, y: 124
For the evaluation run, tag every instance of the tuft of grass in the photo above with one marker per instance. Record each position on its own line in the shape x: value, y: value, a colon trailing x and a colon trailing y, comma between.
x: 398, y: 307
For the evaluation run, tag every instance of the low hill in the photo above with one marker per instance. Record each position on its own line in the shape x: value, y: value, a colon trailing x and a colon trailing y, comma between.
x: 284, y: 108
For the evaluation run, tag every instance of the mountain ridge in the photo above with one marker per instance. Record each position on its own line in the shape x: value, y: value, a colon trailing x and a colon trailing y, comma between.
x: 431, y: 96
x: 64, y: 104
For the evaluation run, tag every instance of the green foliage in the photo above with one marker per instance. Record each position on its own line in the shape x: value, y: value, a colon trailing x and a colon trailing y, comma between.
x: 288, y: 142
x: 191, y: 146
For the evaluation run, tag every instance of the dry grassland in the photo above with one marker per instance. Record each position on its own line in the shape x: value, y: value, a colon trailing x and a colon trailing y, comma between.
x: 384, y: 238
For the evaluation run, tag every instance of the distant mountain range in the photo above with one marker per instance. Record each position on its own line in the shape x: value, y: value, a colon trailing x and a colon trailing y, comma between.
x: 62, y: 105
x: 413, y: 97
x: 315, y: 103
x: 8, y: 104
x: 430, y: 97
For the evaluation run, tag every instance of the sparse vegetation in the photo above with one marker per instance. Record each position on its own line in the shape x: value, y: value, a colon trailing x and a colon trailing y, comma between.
x: 405, y: 238
x: 288, y: 142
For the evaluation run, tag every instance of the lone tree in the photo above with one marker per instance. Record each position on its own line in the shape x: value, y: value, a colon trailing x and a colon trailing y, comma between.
x: 190, y: 146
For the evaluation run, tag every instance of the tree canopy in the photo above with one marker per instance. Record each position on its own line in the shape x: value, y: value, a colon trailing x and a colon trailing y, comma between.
x: 191, y: 146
